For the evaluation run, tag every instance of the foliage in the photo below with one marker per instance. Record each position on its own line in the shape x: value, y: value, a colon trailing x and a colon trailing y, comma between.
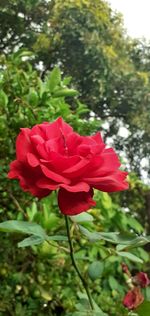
x: 88, y: 40
x: 37, y: 277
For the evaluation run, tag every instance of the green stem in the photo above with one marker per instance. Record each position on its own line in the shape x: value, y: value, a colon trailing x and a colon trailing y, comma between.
x: 75, y: 265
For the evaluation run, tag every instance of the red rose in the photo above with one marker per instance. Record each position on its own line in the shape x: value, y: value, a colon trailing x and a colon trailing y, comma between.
x: 133, y: 298
x: 51, y: 156
x: 141, y: 279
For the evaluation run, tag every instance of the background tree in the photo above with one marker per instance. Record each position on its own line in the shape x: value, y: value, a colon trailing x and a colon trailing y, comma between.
x: 92, y: 46
x: 110, y: 70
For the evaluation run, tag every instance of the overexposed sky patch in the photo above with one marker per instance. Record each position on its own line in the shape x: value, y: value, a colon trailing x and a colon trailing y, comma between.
x: 136, y: 15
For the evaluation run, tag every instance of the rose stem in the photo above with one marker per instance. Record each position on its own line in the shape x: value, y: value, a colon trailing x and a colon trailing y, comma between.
x: 75, y: 265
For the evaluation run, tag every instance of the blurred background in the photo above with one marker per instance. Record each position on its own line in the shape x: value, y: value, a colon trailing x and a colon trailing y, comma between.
x: 48, y: 49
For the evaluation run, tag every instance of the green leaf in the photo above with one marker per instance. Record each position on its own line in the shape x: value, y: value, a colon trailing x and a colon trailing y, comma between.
x: 121, y: 247
x: 30, y: 241
x: 113, y: 283
x: 144, y: 309
x: 116, y: 238
x: 83, y: 217
x: 129, y: 256
x: 84, y: 303
x: 65, y: 92
x: 106, y: 201
x: 54, y: 79
x: 23, y: 53
x: 83, y: 313
x: 147, y: 293
x: 95, y: 270
x: 45, y: 294
x: 88, y: 313
x: 3, y: 98
x: 66, y: 80
x: 143, y: 254
x: 23, y: 227
x: 37, y: 232
x: 33, y: 97
x: 95, y: 236
x: 133, y: 223
x: 57, y: 238
x: 32, y: 211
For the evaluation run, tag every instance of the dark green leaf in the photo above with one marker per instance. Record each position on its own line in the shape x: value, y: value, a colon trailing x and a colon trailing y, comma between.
x: 30, y: 241
x: 23, y: 227
x: 95, y: 270
x: 57, y: 238
x: 84, y: 302
x: 88, y: 313
x: 3, y: 98
x: 116, y: 238
x: 133, y: 223
x: 129, y: 256
x: 33, y: 97
x: 147, y: 293
x: 113, y: 283
x: 95, y: 236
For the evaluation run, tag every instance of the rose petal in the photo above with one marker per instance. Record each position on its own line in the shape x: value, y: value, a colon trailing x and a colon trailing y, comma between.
x: 39, y: 130
x: 75, y: 203
x: 77, y: 168
x: 55, y: 145
x: 32, y: 160
x: 98, y: 139
x: 80, y: 186
x: 105, y: 164
x: 47, y: 184
x: 54, y: 176
x: 41, y: 150
x: 23, y: 144
x: 27, y: 177
x: 37, y: 139
x: 111, y: 183
x: 58, y: 128
x: 65, y: 128
x: 60, y: 162
x: 14, y: 170
x: 73, y: 140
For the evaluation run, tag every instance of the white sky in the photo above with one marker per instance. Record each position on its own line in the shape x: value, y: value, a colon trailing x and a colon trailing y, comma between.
x: 136, y: 16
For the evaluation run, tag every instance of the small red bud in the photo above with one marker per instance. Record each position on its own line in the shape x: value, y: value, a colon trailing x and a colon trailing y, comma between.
x: 133, y: 298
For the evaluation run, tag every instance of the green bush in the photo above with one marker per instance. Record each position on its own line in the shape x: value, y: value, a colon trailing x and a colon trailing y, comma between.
x: 40, y: 279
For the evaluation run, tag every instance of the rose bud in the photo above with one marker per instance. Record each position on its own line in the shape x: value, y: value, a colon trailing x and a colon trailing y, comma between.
x: 141, y: 279
x: 133, y: 298
x: 125, y: 269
